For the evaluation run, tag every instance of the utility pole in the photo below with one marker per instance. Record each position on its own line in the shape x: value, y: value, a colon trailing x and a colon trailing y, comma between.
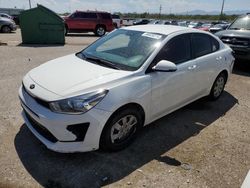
x: 160, y: 11
x: 222, y: 8
x: 30, y: 4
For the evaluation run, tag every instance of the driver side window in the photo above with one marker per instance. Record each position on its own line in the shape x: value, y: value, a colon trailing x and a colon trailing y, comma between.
x: 177, y: 50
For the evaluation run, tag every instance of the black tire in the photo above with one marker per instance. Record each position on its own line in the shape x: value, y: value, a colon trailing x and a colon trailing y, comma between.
x: 100, y: 30
x: 6, y: 29
x: 218, y: 87
x: 115, y: 25
x: 66, y: 30
x: 106, y: 142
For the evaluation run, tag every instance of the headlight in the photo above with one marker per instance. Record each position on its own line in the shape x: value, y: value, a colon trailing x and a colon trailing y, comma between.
x: 79, y: 104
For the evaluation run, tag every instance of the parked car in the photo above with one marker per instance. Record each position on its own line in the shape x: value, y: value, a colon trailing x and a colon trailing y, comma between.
x: 218, y: 27
x: 141, y: 22
x: 7, y: 25
x: 127, y: 21
x: 101, y: 96
x: 205, y: 27
x: 89, y: 21
x: 237, y: 36
x: 195, y: 24
x: 116, y: 21
x: 167, y: 22
x: 154, y: 22
x: 183, y: 23
x: 4, y: 15
x: 15, y: 17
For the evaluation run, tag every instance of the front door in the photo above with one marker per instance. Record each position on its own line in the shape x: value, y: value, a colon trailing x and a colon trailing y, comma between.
x: 171, y: 90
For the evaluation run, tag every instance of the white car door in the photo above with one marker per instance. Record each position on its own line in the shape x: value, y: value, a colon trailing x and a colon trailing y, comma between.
x: 171, y: 90
x: 207, y: 58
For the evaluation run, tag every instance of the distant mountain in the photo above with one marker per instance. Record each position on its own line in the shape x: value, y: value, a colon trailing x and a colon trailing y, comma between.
x: 203, y: 12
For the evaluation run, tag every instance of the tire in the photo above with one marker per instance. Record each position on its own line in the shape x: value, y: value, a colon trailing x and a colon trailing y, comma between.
x: 116, y: 134
x: 66, y: 31
x: 100, y: 31
x: 115, y: 25
x: 6, y: 29
x: 218, y: 87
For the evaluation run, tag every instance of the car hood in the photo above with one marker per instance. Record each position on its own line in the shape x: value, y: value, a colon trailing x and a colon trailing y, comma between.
x: 234, y: 33
x: 71, y: 76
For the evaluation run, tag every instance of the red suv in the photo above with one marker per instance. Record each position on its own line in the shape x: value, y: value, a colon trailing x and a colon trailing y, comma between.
x: 89, y: 21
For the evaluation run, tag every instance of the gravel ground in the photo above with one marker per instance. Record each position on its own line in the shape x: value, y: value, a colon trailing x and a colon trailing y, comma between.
x: 205, y: 144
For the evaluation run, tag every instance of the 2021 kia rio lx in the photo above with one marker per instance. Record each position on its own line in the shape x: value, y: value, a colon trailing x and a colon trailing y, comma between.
x: 101, y: 96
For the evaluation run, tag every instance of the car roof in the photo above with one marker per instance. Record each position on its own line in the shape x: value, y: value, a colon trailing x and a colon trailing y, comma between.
x: 161, y: 29
x: 92, y: 11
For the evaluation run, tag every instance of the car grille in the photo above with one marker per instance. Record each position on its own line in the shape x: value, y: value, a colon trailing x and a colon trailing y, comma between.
x: 236, y: 41
x: 40, y: 129
x: 39, y: 101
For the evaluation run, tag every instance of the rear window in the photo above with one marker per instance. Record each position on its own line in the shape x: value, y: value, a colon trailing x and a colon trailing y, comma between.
x: 201, y: 45
x: 105, y: 16
x: 215, y: 44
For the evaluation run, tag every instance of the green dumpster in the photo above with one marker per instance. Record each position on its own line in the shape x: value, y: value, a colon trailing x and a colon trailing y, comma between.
x: 40, y: 25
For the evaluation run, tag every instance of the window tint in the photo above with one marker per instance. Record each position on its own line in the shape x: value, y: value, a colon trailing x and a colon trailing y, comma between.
x: 201, y: 45
x: 215, y: 44
x: 115, y: 16
x: 105, y: 16
x: 76, y: 15
x: 90, y: 15
x: 177, y: 50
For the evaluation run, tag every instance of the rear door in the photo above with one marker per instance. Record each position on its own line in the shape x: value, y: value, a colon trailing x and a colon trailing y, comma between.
x: 207, y: 58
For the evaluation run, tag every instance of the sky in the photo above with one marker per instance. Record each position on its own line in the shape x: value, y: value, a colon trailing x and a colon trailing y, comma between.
x: 124, y: 6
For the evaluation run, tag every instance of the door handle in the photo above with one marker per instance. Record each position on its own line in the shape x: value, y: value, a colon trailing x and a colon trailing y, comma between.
x: 192, y: 67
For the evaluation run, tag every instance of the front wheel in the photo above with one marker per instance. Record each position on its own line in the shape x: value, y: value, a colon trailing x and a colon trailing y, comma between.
x: 6, y: 29
x: 218, y: 87
x: 100, y: 31
x: 121, y: 130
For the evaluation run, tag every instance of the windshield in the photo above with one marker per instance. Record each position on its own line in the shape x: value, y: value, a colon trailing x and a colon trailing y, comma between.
x: 124, y: 49
x: 241, y: 23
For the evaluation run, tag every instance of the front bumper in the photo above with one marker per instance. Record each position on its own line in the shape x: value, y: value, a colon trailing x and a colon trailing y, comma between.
x: 53, y: 129
x: 13, y: 27
x: 240, y: 52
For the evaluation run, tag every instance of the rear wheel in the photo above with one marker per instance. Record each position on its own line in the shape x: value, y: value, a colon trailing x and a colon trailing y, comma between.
x: 218, y: 86
x: 66, y: 30
x: 100, y: 31
x: 121, y: 130
x: 6, y: 29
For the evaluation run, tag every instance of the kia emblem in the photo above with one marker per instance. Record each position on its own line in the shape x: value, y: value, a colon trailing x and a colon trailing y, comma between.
x: 32, y: 86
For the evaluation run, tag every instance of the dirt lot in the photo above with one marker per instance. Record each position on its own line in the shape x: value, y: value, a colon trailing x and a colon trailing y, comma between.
x: 206, y: 144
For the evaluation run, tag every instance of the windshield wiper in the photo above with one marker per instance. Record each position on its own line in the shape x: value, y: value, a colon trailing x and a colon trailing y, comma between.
x: 102, y: 61
x: 99, y: 61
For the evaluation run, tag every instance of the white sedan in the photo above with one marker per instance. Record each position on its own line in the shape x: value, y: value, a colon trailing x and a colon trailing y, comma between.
x: 101, y: 96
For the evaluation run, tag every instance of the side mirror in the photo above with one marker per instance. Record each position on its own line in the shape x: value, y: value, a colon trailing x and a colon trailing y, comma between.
x: 165, y: 66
